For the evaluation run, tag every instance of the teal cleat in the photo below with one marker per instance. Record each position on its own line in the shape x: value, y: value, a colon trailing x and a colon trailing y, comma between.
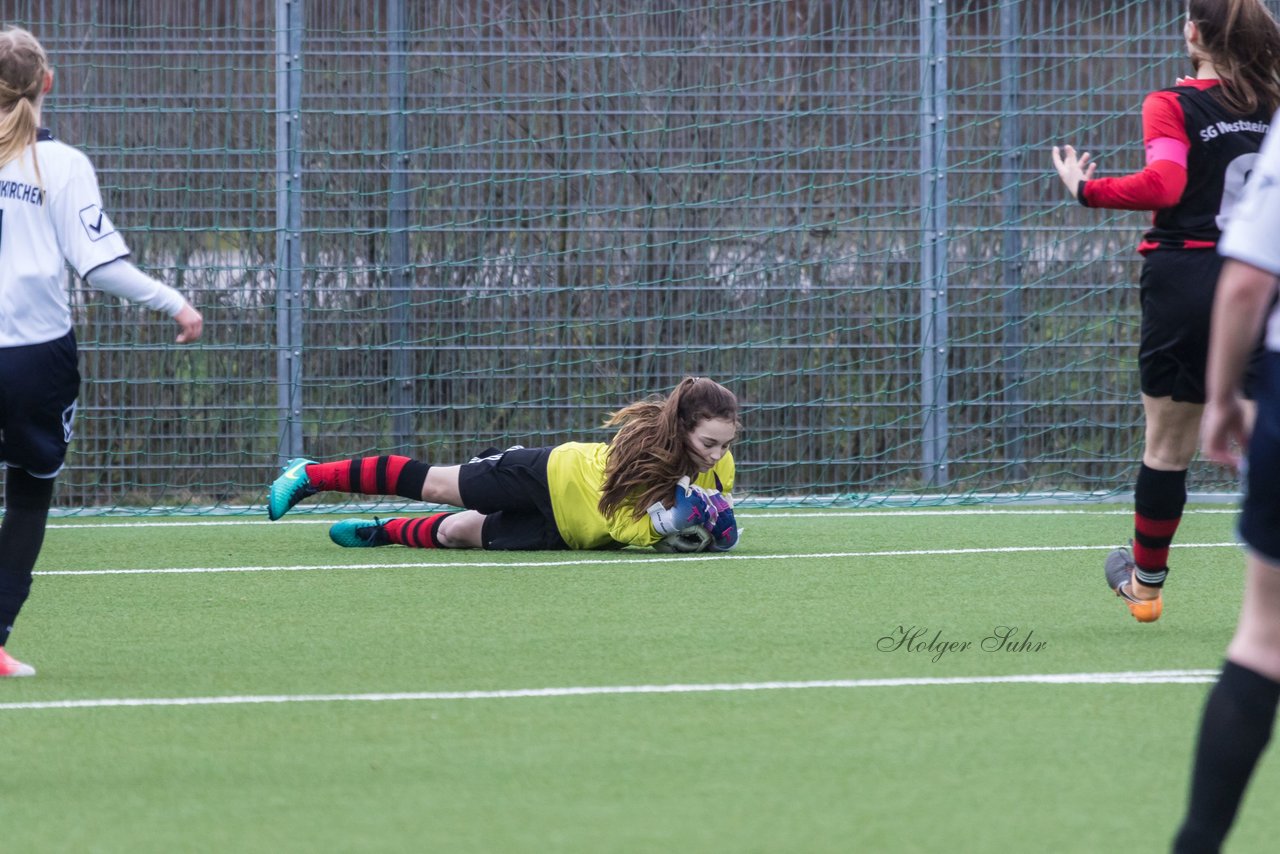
x: 359, y: 534
x: 289, y: 488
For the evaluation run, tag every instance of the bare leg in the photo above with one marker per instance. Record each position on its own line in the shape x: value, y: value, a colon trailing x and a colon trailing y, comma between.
x: 462, y: 531
x: 1173, y: 430
x: 441, y: 486
x: 1256, y: 644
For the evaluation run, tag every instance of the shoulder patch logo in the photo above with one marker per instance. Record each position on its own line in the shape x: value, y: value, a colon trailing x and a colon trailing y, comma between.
x: 97, y: 224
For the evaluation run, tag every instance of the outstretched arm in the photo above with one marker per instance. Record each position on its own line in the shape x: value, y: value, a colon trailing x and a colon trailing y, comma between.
x: 126, y: 281
x: 1158, y: 185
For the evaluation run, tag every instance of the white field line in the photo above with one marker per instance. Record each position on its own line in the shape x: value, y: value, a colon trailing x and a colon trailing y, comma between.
x: 638, y: 561
x: 1148, y: 677
x: 754, y: 516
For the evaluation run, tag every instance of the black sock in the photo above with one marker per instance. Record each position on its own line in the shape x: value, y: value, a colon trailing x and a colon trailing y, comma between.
x: 1234, y: 731
x: 26, y: 510
x: 1158, y: 498
x: 411, y: 480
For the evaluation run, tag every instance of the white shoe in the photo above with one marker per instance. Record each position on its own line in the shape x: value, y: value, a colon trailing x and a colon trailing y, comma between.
x: 10, y: 666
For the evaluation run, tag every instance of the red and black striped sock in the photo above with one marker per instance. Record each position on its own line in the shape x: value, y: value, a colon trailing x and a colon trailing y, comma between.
x: 385, y: 475
x: 418, y: 533
x: 1158, y: 498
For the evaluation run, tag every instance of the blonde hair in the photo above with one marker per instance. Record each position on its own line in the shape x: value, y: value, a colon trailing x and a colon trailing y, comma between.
x: 23, y: 68
x: 648, y: 454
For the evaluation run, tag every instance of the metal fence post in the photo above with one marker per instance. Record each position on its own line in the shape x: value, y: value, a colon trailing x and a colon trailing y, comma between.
x: 401, y: 279
x: 1011, y: 255
x: 289, y: 23
x: 934, y: 345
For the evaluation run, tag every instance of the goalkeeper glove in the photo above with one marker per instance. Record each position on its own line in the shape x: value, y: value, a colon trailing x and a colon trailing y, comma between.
x: 724, y: 530
x: 692, y: 506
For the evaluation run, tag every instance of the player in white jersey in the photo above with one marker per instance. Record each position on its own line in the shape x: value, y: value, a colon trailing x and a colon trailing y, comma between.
x: 50, y: 215
x: 1240, y: 712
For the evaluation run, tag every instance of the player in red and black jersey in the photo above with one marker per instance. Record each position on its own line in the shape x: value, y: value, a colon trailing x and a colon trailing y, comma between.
x: 1201, y: 137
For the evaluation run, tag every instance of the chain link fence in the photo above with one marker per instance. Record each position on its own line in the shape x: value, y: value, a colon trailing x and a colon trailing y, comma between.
x: 428, y: 228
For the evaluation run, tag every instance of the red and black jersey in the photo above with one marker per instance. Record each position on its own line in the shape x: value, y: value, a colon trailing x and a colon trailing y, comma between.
x: 1191, y: 199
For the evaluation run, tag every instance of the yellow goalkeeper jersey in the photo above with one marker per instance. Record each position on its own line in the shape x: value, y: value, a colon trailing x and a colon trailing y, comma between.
x: 575, y: 478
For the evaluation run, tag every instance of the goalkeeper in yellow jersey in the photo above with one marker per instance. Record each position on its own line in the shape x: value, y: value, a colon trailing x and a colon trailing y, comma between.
x: 667, y: 469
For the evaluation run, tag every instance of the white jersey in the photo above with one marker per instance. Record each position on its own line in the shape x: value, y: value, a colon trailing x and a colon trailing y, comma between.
x: 1253, y: 233
x: 45, y: 223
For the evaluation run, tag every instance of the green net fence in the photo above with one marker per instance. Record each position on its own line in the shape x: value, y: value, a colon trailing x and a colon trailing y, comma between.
x: 427, y: 228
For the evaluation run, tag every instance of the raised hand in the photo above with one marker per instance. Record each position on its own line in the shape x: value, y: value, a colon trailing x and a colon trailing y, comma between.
x: 1072, y: 168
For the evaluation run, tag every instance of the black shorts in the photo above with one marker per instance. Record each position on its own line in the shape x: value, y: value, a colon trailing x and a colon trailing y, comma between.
x: 1260, y: 514
x: 510, y: 488
x: 39, y: 384
x: 1177, y: 288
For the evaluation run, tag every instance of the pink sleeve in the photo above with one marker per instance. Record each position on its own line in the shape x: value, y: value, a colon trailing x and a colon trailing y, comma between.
x: 1172, y: 150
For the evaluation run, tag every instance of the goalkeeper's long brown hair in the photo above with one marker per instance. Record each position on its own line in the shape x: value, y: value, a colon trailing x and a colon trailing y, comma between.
x: 648, y: 455
x: 1242, y: 40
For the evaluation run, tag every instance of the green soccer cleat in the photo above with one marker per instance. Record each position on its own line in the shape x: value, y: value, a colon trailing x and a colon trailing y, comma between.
x: 289, y: 488
x: 359, y: 533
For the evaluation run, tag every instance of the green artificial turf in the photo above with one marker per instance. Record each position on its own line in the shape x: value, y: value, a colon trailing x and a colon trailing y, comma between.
x: 808, y: 596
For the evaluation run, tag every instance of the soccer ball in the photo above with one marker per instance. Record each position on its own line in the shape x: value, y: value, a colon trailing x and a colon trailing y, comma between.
x: 694, y: 538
